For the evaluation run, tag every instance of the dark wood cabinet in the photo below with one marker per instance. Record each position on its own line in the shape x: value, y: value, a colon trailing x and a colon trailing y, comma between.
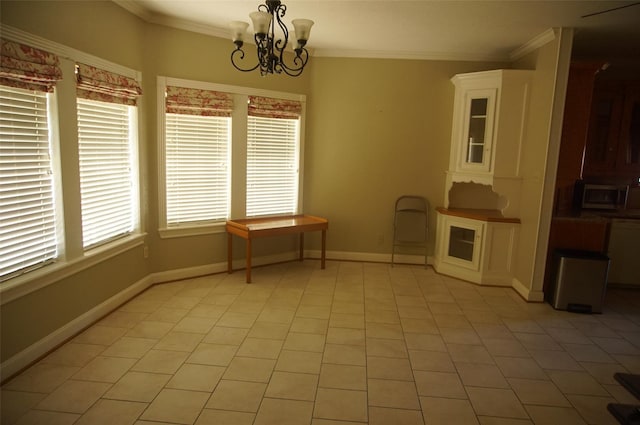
x: 577, y: 110
x: 613, y: 142
x: 629, y: 155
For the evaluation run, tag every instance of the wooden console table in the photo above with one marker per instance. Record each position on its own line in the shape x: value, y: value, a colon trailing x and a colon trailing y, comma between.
x: 251, y: 228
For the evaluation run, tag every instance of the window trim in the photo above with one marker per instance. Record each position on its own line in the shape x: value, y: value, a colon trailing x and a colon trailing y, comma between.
x: 237, y: 152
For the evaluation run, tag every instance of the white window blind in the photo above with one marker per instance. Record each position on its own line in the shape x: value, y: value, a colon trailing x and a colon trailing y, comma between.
x: 272, y: 166
x: 197, y: 172
x: 105, y: 150
x: 27, y: 209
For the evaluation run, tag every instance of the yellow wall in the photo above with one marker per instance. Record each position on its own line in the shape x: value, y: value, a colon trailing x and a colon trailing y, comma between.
x: 376, y: 129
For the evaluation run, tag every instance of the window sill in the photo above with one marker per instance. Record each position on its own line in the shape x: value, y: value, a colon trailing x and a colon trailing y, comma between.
x: 193, y: 230
x: 37, y: 279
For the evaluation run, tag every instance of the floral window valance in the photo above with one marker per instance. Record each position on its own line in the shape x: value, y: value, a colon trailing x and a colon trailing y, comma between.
x: 28, y: 68
x: 97, y: 84
x: 182, y: 100
x: 274, y: 108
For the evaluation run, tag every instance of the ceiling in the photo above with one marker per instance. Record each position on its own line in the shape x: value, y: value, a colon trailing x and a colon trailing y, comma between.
x: 422, y: 29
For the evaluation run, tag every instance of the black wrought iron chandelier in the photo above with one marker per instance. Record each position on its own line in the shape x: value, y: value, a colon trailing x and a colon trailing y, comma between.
x: 270, y: 50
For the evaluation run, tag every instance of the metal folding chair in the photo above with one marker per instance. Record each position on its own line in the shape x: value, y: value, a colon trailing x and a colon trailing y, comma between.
x: 410, y: 224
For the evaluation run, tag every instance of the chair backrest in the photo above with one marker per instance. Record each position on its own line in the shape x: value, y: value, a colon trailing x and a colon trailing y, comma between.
x: 415, y: 203
x: 411, y: 219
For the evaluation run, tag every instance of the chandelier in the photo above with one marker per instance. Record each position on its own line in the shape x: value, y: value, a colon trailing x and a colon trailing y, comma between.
x: 270, y: 50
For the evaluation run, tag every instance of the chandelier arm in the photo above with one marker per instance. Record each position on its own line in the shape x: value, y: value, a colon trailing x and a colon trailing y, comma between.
x: 280, y: 44
x: 233, y: 61
x: 292, y: 72
x: 299, y: 62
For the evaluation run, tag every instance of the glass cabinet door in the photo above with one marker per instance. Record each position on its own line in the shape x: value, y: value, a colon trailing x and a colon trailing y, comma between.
x: 475, y: 148
x: 631, y: 130
x: 604, y: 133
x: 477, y: 126
x: 463, y: 240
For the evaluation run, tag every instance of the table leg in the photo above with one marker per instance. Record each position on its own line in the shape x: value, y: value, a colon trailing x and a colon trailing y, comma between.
x: 301, y: 246
x: 248, y: 260
x: 324, y: 242
x: 229, y: 253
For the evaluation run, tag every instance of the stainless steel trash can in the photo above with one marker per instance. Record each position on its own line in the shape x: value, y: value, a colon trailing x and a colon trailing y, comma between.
x: 579, y: 281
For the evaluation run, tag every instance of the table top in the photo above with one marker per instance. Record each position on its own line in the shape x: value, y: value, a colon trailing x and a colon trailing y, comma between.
x: 277, y: 222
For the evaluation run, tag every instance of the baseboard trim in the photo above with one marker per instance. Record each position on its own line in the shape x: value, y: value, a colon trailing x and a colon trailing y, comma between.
x: 221, y: 267
x: 368, y: 257
x: 526, y: 293
x: 35, y: 351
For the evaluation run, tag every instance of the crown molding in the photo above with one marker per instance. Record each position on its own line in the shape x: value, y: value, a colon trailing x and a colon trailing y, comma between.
x: 186, y: 25
x: 169, y: 21
x: 533, y: 44
x: 135, y: 8
x: 435, y: 56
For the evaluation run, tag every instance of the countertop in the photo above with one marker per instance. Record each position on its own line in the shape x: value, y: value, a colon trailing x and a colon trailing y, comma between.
x: 602, y: 215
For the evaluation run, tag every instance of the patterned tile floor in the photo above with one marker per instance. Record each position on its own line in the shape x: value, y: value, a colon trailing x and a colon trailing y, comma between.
x: 353, y: 344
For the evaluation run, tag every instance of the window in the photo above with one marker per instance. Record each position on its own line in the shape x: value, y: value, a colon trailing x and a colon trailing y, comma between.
x: 28, y: 233
x: 107, y: 152
x: 197, y: 139
x: 106, y: 180
x: 197, y: 168
x: 27, y: 207
x: 272, y: 156
x: 272, y: 166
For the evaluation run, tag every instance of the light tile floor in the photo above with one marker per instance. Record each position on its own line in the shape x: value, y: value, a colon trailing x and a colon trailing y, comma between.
x: 355, y: 343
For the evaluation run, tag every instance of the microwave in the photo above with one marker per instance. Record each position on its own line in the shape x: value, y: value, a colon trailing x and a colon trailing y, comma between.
x: 600, y: 196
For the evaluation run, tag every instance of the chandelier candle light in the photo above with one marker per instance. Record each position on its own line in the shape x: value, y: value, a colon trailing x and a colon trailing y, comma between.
x: 269, y: 49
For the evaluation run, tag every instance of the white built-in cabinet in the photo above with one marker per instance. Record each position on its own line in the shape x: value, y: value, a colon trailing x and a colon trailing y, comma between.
x: 489, y: 123
x: 476, y: 235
